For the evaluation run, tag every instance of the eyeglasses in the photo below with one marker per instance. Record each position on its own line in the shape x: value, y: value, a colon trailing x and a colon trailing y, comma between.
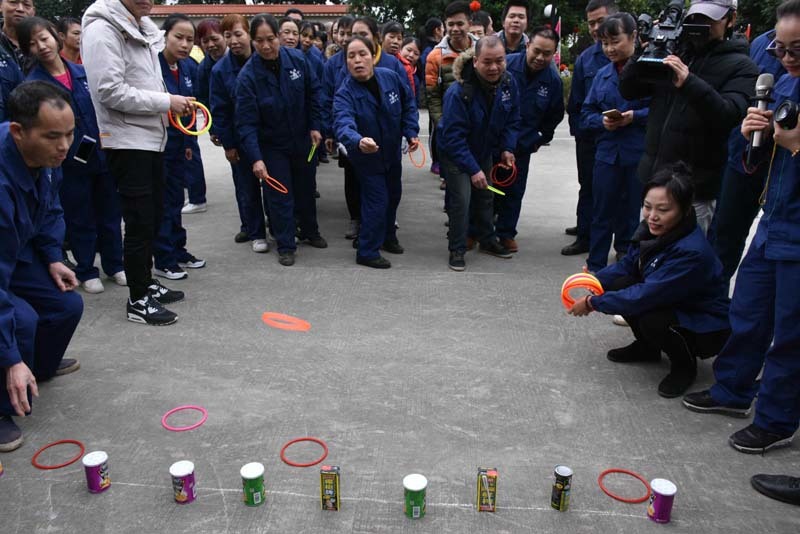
x: 779, y: 52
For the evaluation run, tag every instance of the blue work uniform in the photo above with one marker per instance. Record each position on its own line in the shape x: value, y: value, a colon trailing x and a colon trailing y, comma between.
x: 37, y: 319
x: 169, y: 247
x: 471, y: 135
x: 387, y: 121
x: 738, y: 198
x: 765, y: 310
x: 10, y: 77
x: 223, y: 109
x: 275, y: 114
x: 88, y: 192
x: 203, y: 81
x: 541, y: 110
x: 588, y: 64
x: 616, y: 189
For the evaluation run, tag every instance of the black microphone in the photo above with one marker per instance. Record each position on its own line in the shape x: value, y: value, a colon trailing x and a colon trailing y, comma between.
x: 763, y: 97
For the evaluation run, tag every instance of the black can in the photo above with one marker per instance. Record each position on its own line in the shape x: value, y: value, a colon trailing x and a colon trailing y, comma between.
x: 561, y: 488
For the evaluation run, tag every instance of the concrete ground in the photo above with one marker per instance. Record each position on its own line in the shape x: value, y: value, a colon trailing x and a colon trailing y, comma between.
x: 414, y: 369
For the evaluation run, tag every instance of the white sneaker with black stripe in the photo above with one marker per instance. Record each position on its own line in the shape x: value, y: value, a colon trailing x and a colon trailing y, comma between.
x: 171, y: 273
x: 149, y: 311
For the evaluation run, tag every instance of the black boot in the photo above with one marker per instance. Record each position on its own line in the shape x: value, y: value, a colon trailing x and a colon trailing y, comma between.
x: 638, y: 351
x: 683, y: 363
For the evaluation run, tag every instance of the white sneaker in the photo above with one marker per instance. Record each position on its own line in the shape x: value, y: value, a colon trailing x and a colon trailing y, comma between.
x: 193, y: 208
x: 260, y: 245
x: 120, y: 279
x: 93, y: 285
x: 620, y: 321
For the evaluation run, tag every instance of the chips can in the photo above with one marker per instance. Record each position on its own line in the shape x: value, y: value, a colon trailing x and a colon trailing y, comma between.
x: 329, y: 487
x: 95, y: 465
x: 663, y: 494
x: 414, y: 488
x: 253, y: 484
x: 487, y: 489
x: 1, y: 469
x: 561, y: 488
x: 182, y: 474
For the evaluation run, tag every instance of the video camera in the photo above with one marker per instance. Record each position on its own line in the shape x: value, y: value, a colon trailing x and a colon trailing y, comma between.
x: 667, y: 36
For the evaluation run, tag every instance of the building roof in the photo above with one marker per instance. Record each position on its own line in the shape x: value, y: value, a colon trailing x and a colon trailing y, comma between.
x: 220, y: 10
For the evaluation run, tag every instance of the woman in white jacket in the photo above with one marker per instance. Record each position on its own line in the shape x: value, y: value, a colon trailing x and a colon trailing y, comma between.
x: 120, y: 52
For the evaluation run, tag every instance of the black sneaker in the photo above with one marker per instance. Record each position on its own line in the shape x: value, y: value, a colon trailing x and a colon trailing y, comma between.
x: 635, y: 352
x: 10, y: 434
x: 286, y: 258
x: 780, y: 487
x: 755, y: 440
x: 190, y: 262
x: 171, y: 273
x: 677, y: 382
x: 376, y: 263
x: 67, y: 366
x: 578, y: 247
x: 316, y: 242
x: 241, y: 237
x: 456, y: 262
x: 150, y: 311
x: 494, y: 248
x: 393, y: 247
x: 572, y: 230
x: 163, y: 294
x: 703, y: 402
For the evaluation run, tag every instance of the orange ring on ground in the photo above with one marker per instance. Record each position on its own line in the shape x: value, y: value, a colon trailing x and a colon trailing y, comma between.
x: 176, y: 121
x: 508, y: 181
x: 637, y: 476
x: 424, y: 157
x: 37, y: 465
x: 581, y: 280
x: 298, y: 440
x: 285, y: 322
x: 276, y: 185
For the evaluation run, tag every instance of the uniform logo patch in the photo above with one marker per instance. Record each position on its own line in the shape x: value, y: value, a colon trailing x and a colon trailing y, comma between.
x: 295, y: 74
x: 506, y: 95
x: 543, y: 91
x: 393, y: 98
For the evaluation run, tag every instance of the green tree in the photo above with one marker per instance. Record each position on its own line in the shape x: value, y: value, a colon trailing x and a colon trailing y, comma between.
x: 53, y: 9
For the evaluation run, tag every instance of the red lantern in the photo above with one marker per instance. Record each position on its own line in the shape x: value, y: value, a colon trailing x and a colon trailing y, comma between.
x: 474, y: 6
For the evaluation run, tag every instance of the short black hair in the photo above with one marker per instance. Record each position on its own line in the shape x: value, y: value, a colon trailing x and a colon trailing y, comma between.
x: 25, y: 100
x: 610, y: 5
x: 677, y: 179
x: 30, y: 25
x: 293, y: 11
x: 516, y: 3
x: 459, y: 7
x: 345, y: 22
x: 392, y: 27
x: 546, y: 32
x: 487, y: 41
x: 789, y: 8
x: 369, y: 44
x: 261, y: 20
x: 431, y: 24
x: 173, y: 19
x: 372, y: 24
x: 64, y: 23
x: 617, y: 24
x: 481, y: 18
x: 284, y: 20
x: 309, y: 26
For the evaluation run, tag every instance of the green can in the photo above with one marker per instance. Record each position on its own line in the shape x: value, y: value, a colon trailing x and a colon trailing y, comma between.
x: 414, y: 489
x: 253, y: 484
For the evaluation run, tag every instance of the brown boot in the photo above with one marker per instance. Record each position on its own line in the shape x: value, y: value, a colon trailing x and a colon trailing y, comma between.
x: 510, y: 244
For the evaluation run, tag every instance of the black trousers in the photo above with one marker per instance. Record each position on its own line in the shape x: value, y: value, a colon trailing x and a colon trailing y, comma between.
x: 139, y: 175
x: 352, y: 188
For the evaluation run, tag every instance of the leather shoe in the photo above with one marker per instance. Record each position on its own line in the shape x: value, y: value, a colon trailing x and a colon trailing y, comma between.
x: 779, y: 487
x: 376, y: 263
x: 241, y: 237
x: 578, y: 247
x: 510, y: 244
x: 393, y: 247
x: 572, y: 230
x: 635, y: 352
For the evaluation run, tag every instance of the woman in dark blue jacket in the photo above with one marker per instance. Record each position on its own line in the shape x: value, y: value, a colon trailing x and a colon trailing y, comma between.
x: 616, y: 189
x: 374, y: 110
x: 278, y: 116
x: 88, y: 193
x: 181, y: 155
x: 669, y: 286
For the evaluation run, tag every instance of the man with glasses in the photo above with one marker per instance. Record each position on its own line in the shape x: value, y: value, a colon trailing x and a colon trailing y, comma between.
x: 713, y: 81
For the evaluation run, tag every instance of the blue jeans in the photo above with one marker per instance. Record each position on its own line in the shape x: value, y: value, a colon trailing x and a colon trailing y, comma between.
x: 467, y: 204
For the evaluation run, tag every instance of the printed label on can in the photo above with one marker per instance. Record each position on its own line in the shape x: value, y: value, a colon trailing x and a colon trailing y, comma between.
x: 329, y: 487
x: 253, y: 492
x: 95, y: 466
x: 562, y: 486
x: 487, y: 489
x: 414, y: 489
x: 183, y: 481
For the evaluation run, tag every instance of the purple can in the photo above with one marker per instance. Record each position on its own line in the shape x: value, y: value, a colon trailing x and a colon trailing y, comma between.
x: 660, y: 507
x: 95, y: 464
x: 183, y: 481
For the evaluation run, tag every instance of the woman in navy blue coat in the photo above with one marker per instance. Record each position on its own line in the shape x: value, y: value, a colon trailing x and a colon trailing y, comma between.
x: 374, y: 109
x: 88, y: 193
x: 669, y: 287
x: 278, y: 115
x: 181, y: 155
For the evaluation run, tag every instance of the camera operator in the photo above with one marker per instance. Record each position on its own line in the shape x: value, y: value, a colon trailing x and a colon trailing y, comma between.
x: 712, y: 82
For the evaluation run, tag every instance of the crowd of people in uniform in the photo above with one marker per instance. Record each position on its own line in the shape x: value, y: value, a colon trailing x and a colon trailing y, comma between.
x: 87, y: 145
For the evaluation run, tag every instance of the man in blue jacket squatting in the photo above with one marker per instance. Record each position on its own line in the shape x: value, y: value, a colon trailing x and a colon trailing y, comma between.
x: 39, y: 312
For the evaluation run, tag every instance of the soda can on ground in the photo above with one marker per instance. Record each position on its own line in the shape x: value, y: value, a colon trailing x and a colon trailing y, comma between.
x: 329, y: 487
x: 487, y: 489
x: 562, y: 486
x: 415, y: 487
x: 95, y: 465
x: 661, y: 498
x: 253, y: 484
x: 183, y: 483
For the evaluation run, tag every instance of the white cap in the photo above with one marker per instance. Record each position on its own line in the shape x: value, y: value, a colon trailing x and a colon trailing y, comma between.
x: 663, y: 486
x: 181, y: 469
x: 252, y: 470
x: 93, y: 459
x: 415, y: 482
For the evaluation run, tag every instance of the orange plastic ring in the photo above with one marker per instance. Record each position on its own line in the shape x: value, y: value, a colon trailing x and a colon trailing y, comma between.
x: 424, y: 157
x: 176, y: 121
x: 276, y: 185
x: 637, y: 476
x: 581, y: 280
x: 285, y: 322
x: 37, y: 465
x: 508, y: 181
x: 298, y: 440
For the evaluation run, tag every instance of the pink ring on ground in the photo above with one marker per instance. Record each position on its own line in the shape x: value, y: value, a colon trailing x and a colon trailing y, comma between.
x: 184, y: 428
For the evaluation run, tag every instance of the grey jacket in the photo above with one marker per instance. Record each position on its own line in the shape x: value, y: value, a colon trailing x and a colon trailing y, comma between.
x: 128, y: 91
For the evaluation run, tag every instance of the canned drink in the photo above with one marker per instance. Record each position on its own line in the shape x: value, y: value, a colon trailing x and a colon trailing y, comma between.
x: 487, y: 489
x: 414, y: 488
x: 561, y: 488
x: 95, y: 465
x: 663, y: 494
x: 253, y: 484
x: 1, y: 469
x: 183, y: 481
x: 329, y: 487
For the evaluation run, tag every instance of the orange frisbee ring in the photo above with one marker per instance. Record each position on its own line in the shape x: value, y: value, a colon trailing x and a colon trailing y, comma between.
x: 176, y: 121
x: 185, y: 129
x: 275, y: 184
x: 285, y: 322
x: 585, y: 281
x: 424, y: 157
x: 507, y: 181
x: 37, y: 465
x: 640, y: 478
x: 309, y: 464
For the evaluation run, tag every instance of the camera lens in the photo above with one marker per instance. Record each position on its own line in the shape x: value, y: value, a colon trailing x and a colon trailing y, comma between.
x: 786, y: 115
